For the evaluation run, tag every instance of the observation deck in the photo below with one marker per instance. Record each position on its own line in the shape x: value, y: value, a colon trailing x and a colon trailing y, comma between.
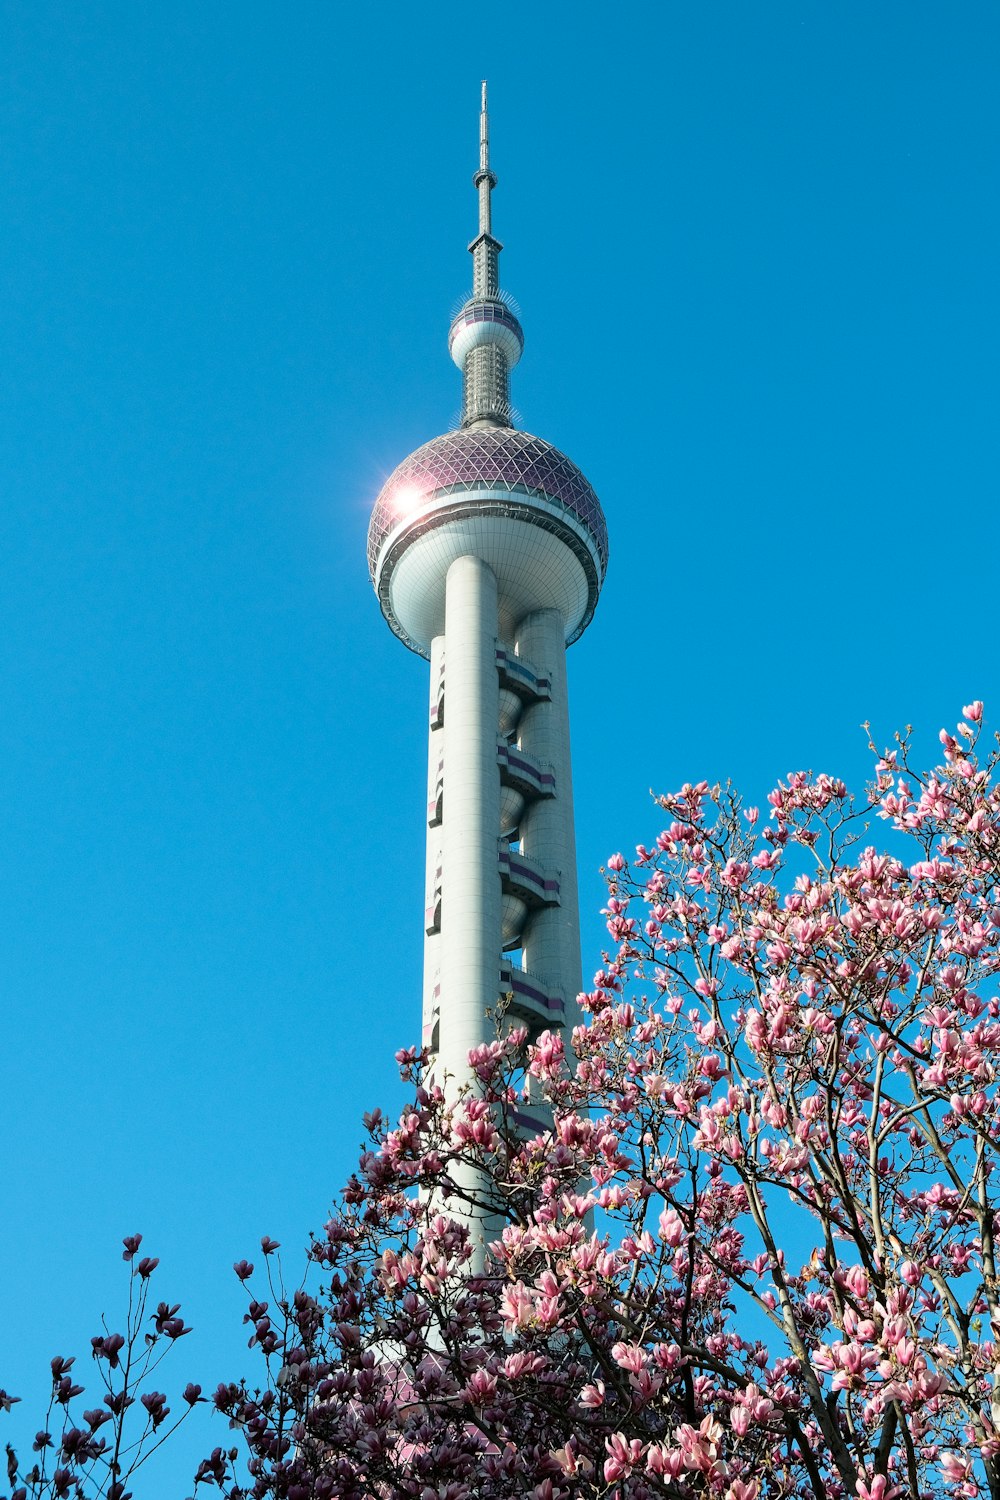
x: 480, y: 489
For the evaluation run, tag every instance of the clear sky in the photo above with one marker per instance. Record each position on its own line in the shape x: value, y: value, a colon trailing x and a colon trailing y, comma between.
x: 755, y: 251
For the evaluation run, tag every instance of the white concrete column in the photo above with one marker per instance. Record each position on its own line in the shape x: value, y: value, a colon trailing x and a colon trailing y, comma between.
x: 470, y: 905
x: 432, y: 940
x: 552, y: 937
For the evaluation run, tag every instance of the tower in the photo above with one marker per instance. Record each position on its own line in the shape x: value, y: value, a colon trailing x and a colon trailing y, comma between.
x: 487, y: 549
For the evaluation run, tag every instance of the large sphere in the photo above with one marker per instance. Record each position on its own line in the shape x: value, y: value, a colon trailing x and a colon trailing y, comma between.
x: 502, y: 495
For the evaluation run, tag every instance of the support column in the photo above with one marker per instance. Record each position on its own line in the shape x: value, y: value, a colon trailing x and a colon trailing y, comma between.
x: 469, y: 944
x: 470, y: 902
x: 552, y: 937
x: 432, y: 930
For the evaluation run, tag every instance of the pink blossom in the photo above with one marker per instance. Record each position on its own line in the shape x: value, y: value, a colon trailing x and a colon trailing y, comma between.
x: 623, y: 1455
x: 629, y: 1356
x: 699, y: 1445
x: 956, y: 1468
x: 877, y: 1488
x: 662, y: 1458
x: 517, y: 1307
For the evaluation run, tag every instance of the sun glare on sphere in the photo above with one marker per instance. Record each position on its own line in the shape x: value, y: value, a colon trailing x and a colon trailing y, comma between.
x: 405, y: 498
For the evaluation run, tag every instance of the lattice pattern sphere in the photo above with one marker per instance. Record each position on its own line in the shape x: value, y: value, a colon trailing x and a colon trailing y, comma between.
x: 489, y: 457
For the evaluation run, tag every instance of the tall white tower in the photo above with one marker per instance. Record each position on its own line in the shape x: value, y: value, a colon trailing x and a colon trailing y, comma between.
x: 487, y: 549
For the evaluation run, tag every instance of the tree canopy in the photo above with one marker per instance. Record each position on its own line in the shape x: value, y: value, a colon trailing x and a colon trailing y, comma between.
x: 752, y: 1255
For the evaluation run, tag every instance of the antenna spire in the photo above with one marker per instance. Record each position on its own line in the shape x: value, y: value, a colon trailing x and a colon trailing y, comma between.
x: 484, y: 134
x: 485, y: 181
x: 486, y: 338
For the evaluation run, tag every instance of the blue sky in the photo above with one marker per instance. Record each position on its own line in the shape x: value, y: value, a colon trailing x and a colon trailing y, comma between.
x: 754, y: 248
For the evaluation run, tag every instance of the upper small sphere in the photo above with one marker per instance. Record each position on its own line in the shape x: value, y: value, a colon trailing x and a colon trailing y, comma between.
x: 486, y: 320
x: 509, y: 497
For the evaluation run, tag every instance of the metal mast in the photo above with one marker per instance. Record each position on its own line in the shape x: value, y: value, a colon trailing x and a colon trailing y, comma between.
x: 487, y: 359
x: 485, y: 249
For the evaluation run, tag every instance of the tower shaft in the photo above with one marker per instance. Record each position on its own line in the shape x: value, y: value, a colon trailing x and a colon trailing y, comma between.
x: 470, y: 875
x: 487, y: 549
x: 552, y: 940
x: 502, y: 943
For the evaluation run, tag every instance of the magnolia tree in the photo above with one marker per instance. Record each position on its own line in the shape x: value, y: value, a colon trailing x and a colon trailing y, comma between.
x: 753, y: 1256
x: 94, y: 1450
